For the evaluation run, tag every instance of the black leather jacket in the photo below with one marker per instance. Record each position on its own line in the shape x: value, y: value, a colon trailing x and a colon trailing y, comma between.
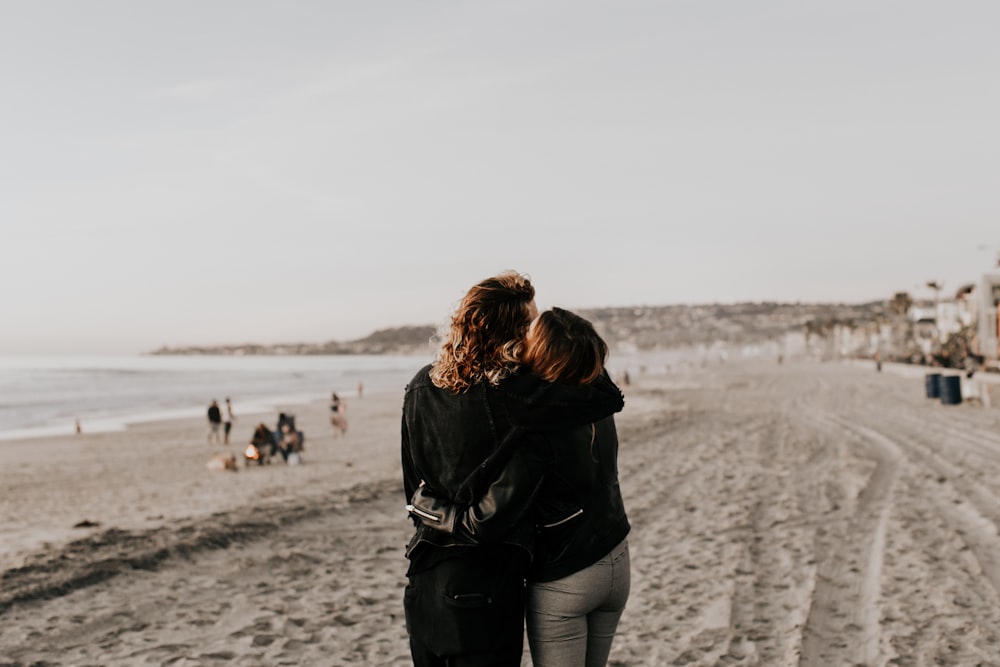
x: 567, y: 479
x: 458, y: 444
x: 579, y: 512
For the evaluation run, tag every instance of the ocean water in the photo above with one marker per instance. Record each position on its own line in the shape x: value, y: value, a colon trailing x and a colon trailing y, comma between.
x: 46, y: 395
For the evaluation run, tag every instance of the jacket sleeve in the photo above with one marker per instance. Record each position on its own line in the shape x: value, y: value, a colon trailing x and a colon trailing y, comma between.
x: 504, y: 504
x: 548, y: 406
x: 411, y: 478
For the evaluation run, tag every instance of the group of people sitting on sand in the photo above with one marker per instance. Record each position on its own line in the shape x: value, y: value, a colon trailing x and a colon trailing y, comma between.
x: 285, y: 440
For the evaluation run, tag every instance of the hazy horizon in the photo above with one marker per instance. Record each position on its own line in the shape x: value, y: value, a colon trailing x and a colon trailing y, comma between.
x: 182, y: 173
x: 925, y: 300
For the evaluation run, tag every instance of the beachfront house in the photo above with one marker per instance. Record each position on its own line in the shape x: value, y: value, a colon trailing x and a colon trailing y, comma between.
x: 989, y: 320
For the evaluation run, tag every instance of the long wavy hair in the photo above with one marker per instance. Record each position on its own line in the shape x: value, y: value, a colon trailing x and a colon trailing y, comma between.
x: 484, y: 339
x: 564, y: 347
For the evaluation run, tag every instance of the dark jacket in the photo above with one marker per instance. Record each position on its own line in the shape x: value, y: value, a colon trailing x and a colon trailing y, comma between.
x: 457, y: 444
x: 579, y: 512
x: 567, y: 478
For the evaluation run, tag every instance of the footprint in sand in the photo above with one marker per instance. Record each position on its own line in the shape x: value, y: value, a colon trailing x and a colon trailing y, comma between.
x: 223, y: 656
x: 264, y: 640
x: 294, y: 645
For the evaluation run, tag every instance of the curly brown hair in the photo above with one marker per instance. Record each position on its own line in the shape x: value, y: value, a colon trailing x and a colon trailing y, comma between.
x: 484, y: 338
x: 564, y: 347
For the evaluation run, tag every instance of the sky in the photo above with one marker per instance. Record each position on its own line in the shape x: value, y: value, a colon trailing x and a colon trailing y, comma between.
x: 192, y: 172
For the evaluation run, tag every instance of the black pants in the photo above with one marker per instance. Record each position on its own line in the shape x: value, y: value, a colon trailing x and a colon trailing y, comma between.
x: 467, y: 611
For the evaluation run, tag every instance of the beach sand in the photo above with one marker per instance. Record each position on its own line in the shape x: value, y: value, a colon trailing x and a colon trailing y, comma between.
x: 807, y: 513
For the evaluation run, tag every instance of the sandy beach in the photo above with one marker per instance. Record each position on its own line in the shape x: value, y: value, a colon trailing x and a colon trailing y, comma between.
x: 798, y: 514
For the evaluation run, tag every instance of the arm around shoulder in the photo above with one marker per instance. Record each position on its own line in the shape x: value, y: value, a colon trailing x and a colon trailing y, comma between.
x: 538, y: 405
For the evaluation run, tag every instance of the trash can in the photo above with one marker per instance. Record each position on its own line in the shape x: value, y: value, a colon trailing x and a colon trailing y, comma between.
x: 951, y: 389
x: 932, y: 384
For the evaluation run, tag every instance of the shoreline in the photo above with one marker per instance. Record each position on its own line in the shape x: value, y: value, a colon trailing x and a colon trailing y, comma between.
x: 44, y: 396
x: 120, y: 423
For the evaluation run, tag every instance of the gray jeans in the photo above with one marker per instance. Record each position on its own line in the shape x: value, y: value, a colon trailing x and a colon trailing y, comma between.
x: 572, y: 621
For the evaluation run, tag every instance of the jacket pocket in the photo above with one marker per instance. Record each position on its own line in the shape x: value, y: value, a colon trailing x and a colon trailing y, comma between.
x: 565, y: 519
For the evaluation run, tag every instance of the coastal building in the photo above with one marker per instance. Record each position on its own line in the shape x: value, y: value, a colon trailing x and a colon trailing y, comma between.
x: 924, y: 328
x: 989, y: 325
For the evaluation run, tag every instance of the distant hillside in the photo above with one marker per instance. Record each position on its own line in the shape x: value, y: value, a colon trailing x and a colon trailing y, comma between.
x: 651, y: 327
x: 396, y: 340
x: 639, y: 327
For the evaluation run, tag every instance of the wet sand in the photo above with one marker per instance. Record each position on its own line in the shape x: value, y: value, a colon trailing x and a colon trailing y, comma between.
x: 798, y: 514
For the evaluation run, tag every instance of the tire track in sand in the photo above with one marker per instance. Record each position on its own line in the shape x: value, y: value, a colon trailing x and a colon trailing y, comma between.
x: 961, y: 500
x: 842, y: 626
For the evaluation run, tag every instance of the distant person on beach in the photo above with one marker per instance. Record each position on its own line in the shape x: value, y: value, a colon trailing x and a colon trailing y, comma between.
x: 282, y: 420
x: 292, y: 444
x: 579, y: 578
x: 462, y: 414
x: 263, y: 445
x: 214, y: 421
x: 228, y: 422
x: 361, y: 388
x: 338, y: 418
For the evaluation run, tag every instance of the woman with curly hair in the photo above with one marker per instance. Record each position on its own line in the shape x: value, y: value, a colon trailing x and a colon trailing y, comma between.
x: 462, y: 416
